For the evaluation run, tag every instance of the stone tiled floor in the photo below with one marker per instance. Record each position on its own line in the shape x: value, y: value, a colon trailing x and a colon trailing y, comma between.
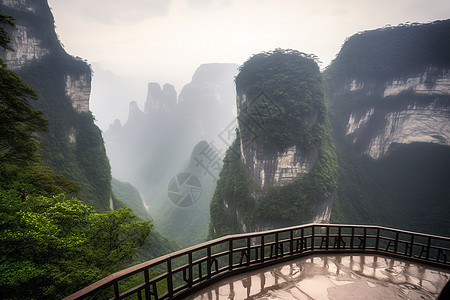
x: 333, y: 277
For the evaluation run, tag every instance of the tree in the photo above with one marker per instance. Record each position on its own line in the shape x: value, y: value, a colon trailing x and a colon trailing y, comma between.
x: 19, y: 122
x: 51, y: 247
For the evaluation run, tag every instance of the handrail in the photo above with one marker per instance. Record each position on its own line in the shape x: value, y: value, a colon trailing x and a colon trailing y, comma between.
x: 186, y: 270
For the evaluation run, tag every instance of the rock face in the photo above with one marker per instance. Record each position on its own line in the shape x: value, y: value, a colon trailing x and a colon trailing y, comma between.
x: 389, y: 91
x: 29, y: 47
x: 281, y: 169
x: 277, y: 168
x: 74, y: 145
x: 160, y: 100
x: 78, y: 89
x: 374, y: 128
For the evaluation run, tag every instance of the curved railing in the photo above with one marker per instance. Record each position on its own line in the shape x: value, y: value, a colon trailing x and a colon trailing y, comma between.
x: 180, y: 273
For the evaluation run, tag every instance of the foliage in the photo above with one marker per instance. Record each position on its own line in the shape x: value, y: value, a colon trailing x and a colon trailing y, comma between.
x: 391, y: 51
x: 282, y: 104
x: 407, y: 188
x: 19, y: 121
x: 82, y: 157
x: 5, y: 21
x: 52, y: 246
x: 285, y: 101
x: 130, y: 196
x: 233, y: 193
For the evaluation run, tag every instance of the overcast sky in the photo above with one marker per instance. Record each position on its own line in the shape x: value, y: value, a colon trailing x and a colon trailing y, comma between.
x: 166, y: 40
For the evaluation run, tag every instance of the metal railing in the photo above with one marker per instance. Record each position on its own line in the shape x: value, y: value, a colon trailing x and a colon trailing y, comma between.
x: 177, y: 274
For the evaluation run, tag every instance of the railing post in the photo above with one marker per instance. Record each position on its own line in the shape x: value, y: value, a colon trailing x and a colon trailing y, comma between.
x: 147, y: 284
x: 396, y: 242
x: 291, y: 241
x: 248, y: 251
x: 412, y: 245
x: 352, y: 238
x: 208, y: 261
x: 191, y: 273
x: 428, y: 247
x: 230, y: 254
x: 116, y: 290
x: 328, y: 237
x: 169, y: 277
x: 365, y: 238
x: 262, y: 248
x: 312, y: 238
x: 377, y: 242
x: 276, y: 245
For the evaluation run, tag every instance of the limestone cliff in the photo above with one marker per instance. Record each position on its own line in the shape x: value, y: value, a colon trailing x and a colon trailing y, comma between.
x: 281, y: 170
x: 408, y: 109
x: 389, y: 94
x: 74, y: 145
x: 32, y: 43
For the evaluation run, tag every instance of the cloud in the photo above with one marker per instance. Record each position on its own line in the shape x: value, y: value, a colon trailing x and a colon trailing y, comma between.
x: 208, y: 4
x: 116, y: 11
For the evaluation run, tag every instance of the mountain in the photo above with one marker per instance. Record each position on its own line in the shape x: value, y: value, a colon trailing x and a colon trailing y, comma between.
x: 388, y: 113
x: 73, y: 146
x: 174, y: 135
x: 389, y: 97
x: 281, y: 169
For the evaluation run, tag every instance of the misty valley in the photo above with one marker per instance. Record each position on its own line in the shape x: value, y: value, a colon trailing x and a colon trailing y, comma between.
x: 274, y: 142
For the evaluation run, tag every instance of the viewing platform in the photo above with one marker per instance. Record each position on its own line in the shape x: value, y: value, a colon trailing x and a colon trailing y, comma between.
x: 323, y: 276
x: 314, y: 261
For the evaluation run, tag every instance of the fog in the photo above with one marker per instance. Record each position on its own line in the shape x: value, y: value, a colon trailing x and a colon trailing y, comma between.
x: 153, y: 143
x: 166, y: 40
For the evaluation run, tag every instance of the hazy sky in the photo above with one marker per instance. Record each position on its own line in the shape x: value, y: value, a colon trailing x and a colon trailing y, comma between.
x: 166, y: 40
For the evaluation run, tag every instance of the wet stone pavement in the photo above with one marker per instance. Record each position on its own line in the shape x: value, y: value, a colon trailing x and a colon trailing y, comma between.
x: 333, y: 277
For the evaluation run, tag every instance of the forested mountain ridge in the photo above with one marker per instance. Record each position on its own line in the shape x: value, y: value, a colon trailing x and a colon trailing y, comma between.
x: 389, y: 98
x: 74, y: 144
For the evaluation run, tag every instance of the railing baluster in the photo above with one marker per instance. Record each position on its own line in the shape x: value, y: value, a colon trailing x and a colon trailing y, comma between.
x: 428, y: 247
x: 291, y: 242
x: 190, y: 272
x: 169, y: 278
x: 248, y: 251
x: 208, y: 261
x: 377, y: 242
x: 276, y: 245
x: 262, y: 248
x: 352, y: 237
x: 412, y: 245
x: 396, y: 242
x: 147, y: 284
x: 230, y: 254
x: 116, y: 290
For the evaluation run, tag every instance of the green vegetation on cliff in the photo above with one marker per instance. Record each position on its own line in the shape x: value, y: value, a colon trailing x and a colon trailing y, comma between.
x: 408, y: 186
x: 392, y: 51
x: 291, y: 111
x: 282, y: 104
x: 73, y: 145
x: 51, y: 243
